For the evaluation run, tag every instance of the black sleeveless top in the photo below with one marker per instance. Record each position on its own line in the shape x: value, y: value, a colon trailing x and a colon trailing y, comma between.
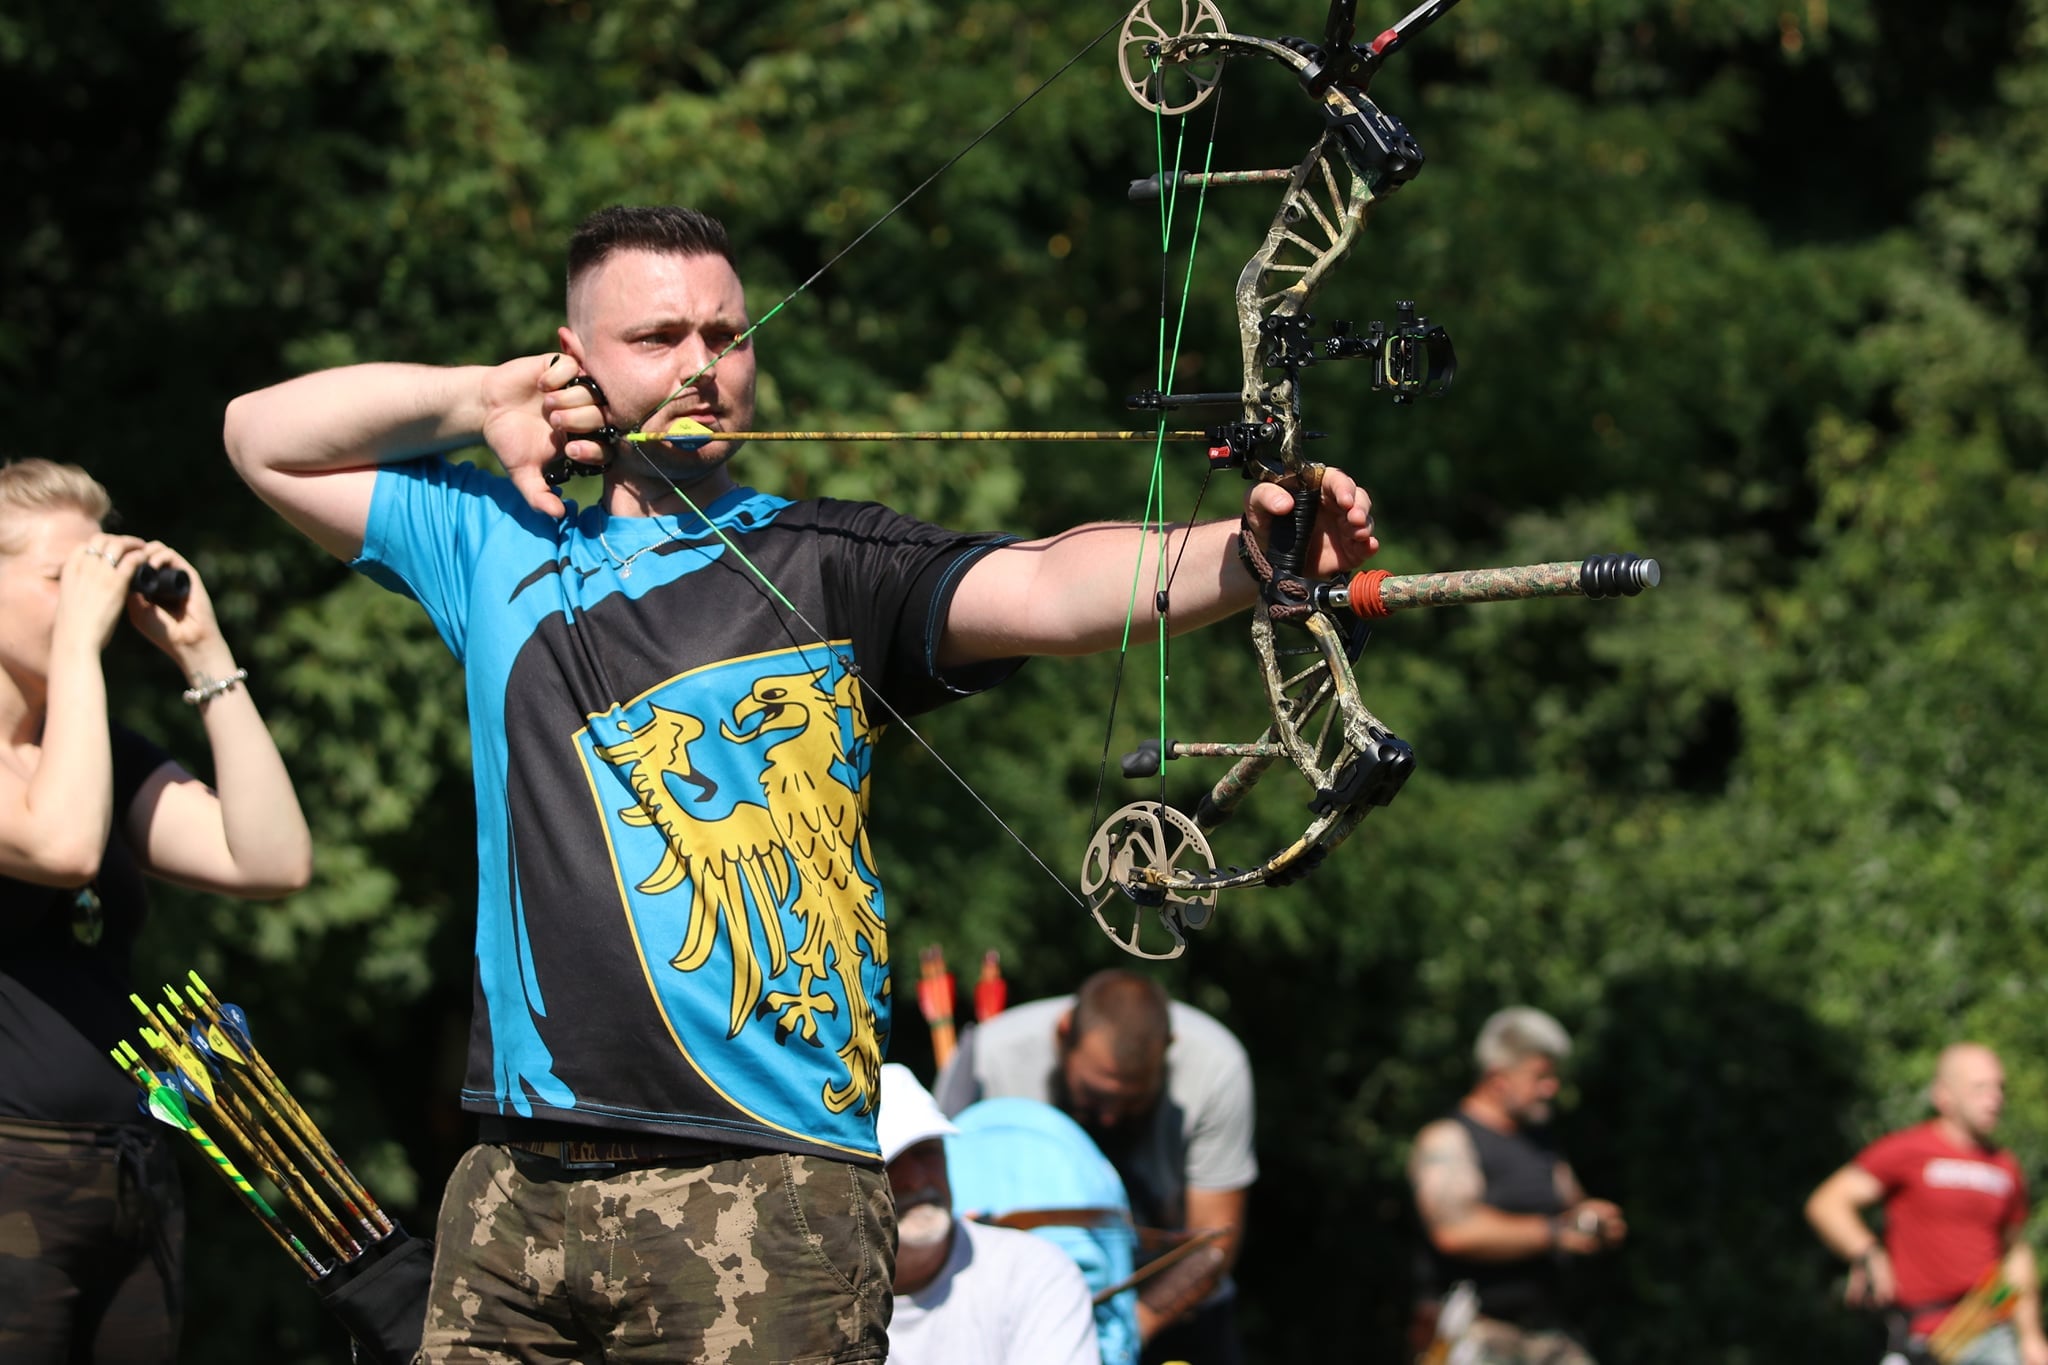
x: 1520, y: 1171
x: 64, y: 978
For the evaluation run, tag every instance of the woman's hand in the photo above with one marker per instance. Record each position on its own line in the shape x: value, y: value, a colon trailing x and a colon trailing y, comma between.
x: 91, y: 588
x: 187, y: 631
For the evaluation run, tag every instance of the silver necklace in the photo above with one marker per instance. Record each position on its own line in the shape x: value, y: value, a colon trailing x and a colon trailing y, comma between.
x: 626, y: 564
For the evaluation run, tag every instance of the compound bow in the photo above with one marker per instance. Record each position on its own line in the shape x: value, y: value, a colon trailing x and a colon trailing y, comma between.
x: 1151, y: 856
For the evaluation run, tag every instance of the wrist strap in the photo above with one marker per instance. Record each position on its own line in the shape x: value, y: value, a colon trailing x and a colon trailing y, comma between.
x: 204, y: 690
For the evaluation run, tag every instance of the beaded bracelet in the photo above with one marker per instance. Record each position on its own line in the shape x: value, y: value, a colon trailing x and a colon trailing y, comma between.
x: 203, y: 692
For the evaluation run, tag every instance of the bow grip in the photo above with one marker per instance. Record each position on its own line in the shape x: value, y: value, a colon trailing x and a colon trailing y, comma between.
x: 1289, y: 537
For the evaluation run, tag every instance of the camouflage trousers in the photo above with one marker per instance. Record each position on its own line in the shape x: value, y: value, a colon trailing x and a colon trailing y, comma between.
x: 92, y: 1235
x: 1490, y: 1341
x: 763, y: 1260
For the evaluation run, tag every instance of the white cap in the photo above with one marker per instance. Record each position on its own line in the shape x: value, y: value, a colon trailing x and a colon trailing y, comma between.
x: 909, y: 1113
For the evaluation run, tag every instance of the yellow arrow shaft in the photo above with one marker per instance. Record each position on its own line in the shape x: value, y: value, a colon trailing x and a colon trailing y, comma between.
x: 1123, y: 436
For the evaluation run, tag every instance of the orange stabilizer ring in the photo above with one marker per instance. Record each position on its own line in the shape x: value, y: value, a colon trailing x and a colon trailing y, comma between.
x: 1364, y: 592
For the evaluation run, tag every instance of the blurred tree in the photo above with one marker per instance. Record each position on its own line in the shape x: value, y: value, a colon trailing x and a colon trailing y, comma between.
x: 1757, y: 288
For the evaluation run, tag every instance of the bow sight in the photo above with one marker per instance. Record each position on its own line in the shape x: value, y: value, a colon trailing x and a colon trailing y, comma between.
x: 1410, y: 358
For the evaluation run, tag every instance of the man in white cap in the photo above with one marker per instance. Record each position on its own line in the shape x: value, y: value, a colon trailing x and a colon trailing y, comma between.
x: 967, y: 1294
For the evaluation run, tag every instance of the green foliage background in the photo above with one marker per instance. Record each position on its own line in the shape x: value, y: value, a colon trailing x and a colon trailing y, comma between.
x: 1756, y: 287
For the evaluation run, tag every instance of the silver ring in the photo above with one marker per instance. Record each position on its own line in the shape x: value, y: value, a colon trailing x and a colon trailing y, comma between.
x: 107, y: 555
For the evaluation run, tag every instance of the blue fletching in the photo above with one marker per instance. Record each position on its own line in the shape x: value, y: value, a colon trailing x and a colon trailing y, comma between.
x: 238, y: 1025
x: 197, y: 1037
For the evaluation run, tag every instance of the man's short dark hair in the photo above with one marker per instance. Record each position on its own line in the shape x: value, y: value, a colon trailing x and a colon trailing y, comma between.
x: 667, y: 229
x: 1131, y: 1012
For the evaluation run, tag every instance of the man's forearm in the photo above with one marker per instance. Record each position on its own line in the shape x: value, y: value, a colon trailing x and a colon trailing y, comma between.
x: 1841, y: 1227
x: 1487, y: 1234
x: 2022, y: 1274
x: 1176, y: 1291
x: 353, y: 417
x: 1073, y: 593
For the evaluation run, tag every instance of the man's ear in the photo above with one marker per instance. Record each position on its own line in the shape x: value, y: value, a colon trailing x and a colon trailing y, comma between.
x: 567, y: 337
x: 1063, y: 1031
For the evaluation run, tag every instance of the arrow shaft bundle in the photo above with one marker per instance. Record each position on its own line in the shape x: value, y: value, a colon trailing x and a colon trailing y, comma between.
x: 205, y: 1059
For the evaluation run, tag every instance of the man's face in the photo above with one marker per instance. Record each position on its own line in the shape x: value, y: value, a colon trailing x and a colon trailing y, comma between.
x: 1096, y: 1093
x: 1526, y: 1089
x: 1971, y: 1092
x: 924, y: 1199
x: 642, y: 324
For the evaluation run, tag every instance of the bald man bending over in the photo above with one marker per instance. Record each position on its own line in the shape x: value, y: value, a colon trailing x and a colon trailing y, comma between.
x: 1955, y: 1206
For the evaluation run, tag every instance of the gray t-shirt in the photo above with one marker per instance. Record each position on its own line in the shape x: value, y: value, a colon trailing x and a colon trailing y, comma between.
x: 1199, y: 1136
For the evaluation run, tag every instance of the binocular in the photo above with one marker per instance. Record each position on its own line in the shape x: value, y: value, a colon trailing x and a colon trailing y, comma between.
x: 166, y: 585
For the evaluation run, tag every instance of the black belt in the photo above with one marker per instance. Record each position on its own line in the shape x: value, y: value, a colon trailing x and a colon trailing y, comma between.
x: 607, y: 1154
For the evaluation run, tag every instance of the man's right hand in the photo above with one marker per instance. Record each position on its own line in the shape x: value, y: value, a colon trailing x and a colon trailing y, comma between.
x: 531, y: 415
x: 1871, y: 1282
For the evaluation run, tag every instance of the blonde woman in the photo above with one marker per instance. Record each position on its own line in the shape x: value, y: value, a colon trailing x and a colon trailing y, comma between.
x: 91, y: 1218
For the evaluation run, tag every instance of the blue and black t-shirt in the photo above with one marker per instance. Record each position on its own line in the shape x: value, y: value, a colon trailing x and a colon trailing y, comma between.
x: 679, y: 927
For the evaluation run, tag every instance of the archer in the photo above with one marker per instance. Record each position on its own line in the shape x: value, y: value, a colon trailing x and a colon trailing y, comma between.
x: 681, y: 945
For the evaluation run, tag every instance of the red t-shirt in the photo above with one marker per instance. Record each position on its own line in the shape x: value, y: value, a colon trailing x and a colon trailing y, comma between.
x: 1947, y: 1212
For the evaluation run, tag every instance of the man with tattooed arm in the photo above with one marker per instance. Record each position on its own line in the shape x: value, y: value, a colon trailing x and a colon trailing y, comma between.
x: 1500, y: 1208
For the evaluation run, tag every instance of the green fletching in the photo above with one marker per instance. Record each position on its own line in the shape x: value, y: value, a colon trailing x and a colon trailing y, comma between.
x: 168, y: 1105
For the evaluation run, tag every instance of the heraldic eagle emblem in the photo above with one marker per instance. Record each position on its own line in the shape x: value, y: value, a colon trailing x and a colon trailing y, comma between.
x: 794, y: 864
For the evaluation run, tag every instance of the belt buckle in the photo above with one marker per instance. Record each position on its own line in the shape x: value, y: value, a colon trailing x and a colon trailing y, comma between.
x: 587, y: 1151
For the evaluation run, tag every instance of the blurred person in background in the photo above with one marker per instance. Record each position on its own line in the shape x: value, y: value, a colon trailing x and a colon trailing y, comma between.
x: 1501, y: 1210
x: 967, y: 1294
x: 1023, y: 1164
x: 1166, y: 1093
x: 91, y: 1213
x: 1953, y: 1271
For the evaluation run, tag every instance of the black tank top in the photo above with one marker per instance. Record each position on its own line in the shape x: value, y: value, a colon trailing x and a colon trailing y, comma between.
x: 1520, y: 1171
x: 64, y: 980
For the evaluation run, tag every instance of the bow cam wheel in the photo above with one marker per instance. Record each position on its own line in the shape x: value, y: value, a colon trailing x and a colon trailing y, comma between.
x: 1170, y: 71
x: 1140, y: 861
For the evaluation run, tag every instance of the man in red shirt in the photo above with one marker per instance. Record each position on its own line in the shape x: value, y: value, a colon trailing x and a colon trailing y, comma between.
x: 1955, y: 1206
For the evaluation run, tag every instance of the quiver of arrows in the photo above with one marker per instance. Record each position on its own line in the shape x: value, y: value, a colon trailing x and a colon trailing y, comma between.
x: 1989, y: 1302
x: 200, y: 1072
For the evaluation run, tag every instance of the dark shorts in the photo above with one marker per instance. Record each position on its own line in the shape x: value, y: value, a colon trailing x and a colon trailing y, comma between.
x: 92, y: 1240
x: 763, y: 1260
